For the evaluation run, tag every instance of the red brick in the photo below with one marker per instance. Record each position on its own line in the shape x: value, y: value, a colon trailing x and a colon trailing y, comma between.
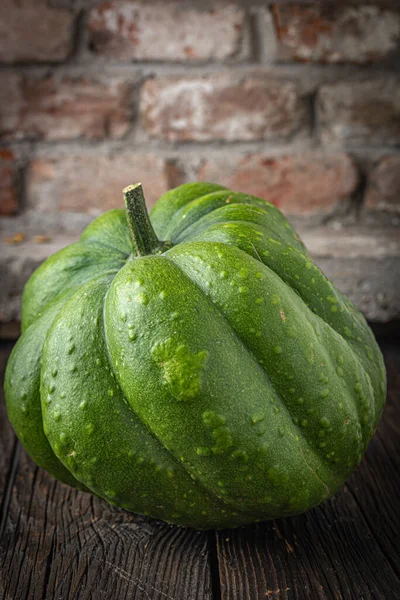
x: 68, y: 108
x: 330, y: 33
x: 93, y: 183
x: 34, y: 31
x: 224, y: 106
x: 361, y: 113
x: 8, y: 184
x: 383, y: 191
x: 165, y: 32
x: 307, y: 183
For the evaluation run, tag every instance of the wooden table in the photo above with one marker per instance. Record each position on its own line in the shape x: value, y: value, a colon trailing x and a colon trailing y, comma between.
x: 59, y: 544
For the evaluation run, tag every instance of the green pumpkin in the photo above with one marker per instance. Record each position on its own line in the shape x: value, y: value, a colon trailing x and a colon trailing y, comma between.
x: 211, y: 379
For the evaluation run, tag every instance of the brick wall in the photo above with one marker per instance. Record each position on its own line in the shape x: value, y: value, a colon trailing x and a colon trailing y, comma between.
x: 296, y: 103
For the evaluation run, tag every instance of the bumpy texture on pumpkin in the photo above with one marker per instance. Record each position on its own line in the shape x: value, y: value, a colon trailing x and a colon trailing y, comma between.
x: 222, y: 382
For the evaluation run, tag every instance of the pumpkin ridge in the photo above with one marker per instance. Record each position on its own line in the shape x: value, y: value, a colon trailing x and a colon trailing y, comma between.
x: 348, y: 342
x: 34, y: 300
x: 312, y: 314
x: 57, y: 469
x: 254, y: 445
x: 265, y: 373
x: 77, y: 289
x: 187, y: 207
x: 69, y: 298
x: 218, y: 502
x: 230, y: 222
x: 199, y: 482
x: 238, y: 199
x: 171, y: 196
x: 351, y: 344
x: 186, y: 231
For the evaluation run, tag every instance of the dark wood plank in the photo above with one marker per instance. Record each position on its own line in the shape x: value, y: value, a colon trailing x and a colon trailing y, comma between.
x: 347, y: 548
x: 61, y: 544
x: 66, y: 544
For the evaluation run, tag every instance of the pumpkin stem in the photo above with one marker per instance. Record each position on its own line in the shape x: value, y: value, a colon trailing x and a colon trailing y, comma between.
x: 144, y: 239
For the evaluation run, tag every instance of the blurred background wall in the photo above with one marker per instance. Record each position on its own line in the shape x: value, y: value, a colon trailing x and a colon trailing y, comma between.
x: 296, y: 103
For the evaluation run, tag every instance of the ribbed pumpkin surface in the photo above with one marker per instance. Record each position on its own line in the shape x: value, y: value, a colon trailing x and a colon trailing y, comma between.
x: 213, y: 383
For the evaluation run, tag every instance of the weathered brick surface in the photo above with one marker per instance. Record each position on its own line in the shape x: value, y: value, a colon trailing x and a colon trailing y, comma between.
x: 223, y: 106
x: 336, y: 33
x: 93, y: 183
x: 159, y: 31
x: 303, y: 184
x: 216, y: 93
x: 34, y: 31
x: 8, y: 183
x: 383, y: 192
x: 361, y: 113
x: 65, y: 108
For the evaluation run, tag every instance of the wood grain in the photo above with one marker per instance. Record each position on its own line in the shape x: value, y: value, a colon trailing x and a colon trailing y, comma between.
x: 347, y: 548
x: 65, y: 544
